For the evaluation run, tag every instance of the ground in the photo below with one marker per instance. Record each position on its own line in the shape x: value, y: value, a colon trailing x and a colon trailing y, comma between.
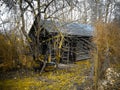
x: 67, y: 77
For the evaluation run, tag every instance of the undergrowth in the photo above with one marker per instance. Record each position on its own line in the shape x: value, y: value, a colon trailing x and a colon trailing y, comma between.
x: 61, y: 79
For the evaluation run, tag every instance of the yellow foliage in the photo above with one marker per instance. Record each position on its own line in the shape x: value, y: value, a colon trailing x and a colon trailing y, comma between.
x: 62, y: 79
x: 11, y: 50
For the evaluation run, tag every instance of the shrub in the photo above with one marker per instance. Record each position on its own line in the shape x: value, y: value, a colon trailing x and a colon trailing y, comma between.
x: 12, y: 51
x: 107, y: 41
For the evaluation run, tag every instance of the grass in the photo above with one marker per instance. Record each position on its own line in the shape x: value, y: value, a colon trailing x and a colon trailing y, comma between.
x: 62, y: 79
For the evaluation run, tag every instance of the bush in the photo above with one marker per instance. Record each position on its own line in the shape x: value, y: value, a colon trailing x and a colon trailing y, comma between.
x: 107, y: 41
x: 12, y: 51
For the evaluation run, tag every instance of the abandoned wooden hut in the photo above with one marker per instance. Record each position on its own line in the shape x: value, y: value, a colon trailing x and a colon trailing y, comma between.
x: 76, y: 40
x: 77, y: 43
